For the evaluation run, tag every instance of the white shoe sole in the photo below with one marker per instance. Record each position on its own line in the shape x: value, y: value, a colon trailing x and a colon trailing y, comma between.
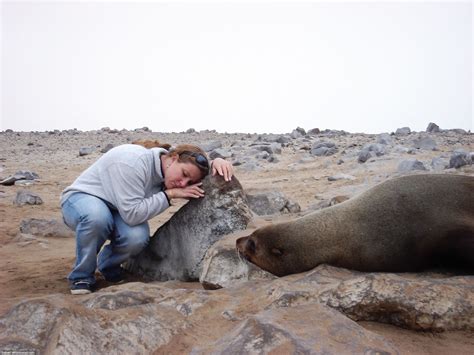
x: 81, y: 292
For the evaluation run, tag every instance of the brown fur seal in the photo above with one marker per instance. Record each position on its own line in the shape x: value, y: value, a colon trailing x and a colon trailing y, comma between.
x: 148, y: 143
x: 404, y: 224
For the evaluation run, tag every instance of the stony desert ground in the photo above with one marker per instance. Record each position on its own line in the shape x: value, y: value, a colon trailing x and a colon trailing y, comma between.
x: 290, y: 165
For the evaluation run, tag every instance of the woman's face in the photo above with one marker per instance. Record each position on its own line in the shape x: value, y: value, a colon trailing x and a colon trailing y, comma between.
x: 179, y: 175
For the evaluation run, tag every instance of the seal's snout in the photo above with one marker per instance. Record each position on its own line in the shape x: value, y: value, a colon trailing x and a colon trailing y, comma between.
x: 245, y: 247
x: 240, y: 243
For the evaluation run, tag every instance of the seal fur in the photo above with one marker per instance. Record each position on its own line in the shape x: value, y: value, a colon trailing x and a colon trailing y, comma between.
x: 404, y: 224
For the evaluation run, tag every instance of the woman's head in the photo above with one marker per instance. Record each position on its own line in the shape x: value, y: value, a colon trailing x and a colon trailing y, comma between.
x: 185, y: 165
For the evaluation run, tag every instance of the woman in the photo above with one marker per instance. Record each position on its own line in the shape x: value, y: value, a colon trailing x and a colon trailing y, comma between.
x: 116, y: 196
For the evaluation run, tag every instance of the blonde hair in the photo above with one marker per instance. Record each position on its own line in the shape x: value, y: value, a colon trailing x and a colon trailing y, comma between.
x: 187, y: 153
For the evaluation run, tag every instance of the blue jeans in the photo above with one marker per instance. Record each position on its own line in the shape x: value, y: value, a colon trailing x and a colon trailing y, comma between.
x: 94, y: 222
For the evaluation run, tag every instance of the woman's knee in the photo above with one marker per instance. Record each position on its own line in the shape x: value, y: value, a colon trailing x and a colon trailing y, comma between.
x: 97, y: 220
x: 137, y: 239
x: 88, y: 213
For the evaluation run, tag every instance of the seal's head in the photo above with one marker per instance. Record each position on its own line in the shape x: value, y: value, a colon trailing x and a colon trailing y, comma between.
x: 270, y: 249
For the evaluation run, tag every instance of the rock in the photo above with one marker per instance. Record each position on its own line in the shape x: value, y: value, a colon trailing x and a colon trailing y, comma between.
x: 377, y: 149
x: 338, y: 177
x: 408, y: 165
x: 428, y: 304
x: 364, y: 155
x: 190, y: 130
x: 404, y: 131
x: 384, y: 138
x: 249, y: 166
x: 327, y: 203
x: 210, y: 146
x: 282, y: 139
x: 24, y: 182
x: 459, y: 158
x: 432, y: 128
x: 273, y: 148
x: 222, y: 266
x: 24, y: 197
x: 45, y: 228
x: 301, y: 131
x: 458, y: 131
x: 273, y: 159
x: 301, y: 313
x: 403, y: 150
x: 293, y: 207
x: 307, y: 329
x: 369, y: 150
x: 262, y: 155
x: 19, y: 175
x: 297, y: 133
x: 220, y: 153
x: 323, y: 149
x: 439, y: 164
x: 178, y: 247
x: 314, y: 131
x: 143, y: 129
x: 270, y: 203
x: 106, y: 148
x: 85, y: 151
x: 80, y: 329
x: 426, y: 143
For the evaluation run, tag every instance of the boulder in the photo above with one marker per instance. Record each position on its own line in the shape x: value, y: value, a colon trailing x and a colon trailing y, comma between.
x: 24, y: 197
x: 306, y: 329
x: 341, y: 176
x: 408, y: 165
x: 425, y: 143
x: 459, y: 158
x: 210, y: 146
x: 439, y: 163
x: 416, y: 303
x: 384, y: 138
x: 85, y: 151
x: 432, y: 128
x: 107, y: 148
x: 323, y: 149
x: 220, y: 153
x: 404, y: 131
x: 222, y: 266
x: 267, y: 203
x: 45, y: 228
x: 19, y: 175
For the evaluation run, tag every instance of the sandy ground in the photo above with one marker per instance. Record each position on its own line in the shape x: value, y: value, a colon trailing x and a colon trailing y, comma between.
x: 40, y: 267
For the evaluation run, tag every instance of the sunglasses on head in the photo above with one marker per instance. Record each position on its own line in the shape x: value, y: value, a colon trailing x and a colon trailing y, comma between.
x: 201, y: 160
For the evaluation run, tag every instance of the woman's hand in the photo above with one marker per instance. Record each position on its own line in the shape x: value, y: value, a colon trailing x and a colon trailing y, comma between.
x: 191, y: 191
x: 223, y: 168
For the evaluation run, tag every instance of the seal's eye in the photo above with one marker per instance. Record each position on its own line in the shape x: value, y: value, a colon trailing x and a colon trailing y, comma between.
x: 277, y: 252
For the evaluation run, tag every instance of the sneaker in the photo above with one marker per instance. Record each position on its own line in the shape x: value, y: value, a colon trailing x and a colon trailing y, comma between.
x: 117, y: 277
x: 81, y: 288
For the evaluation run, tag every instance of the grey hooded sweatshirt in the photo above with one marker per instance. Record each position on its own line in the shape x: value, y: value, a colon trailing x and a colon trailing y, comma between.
x: 129, y: 178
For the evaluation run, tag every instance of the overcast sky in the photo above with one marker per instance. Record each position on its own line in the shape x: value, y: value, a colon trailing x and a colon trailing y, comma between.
x: 236, y: 67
